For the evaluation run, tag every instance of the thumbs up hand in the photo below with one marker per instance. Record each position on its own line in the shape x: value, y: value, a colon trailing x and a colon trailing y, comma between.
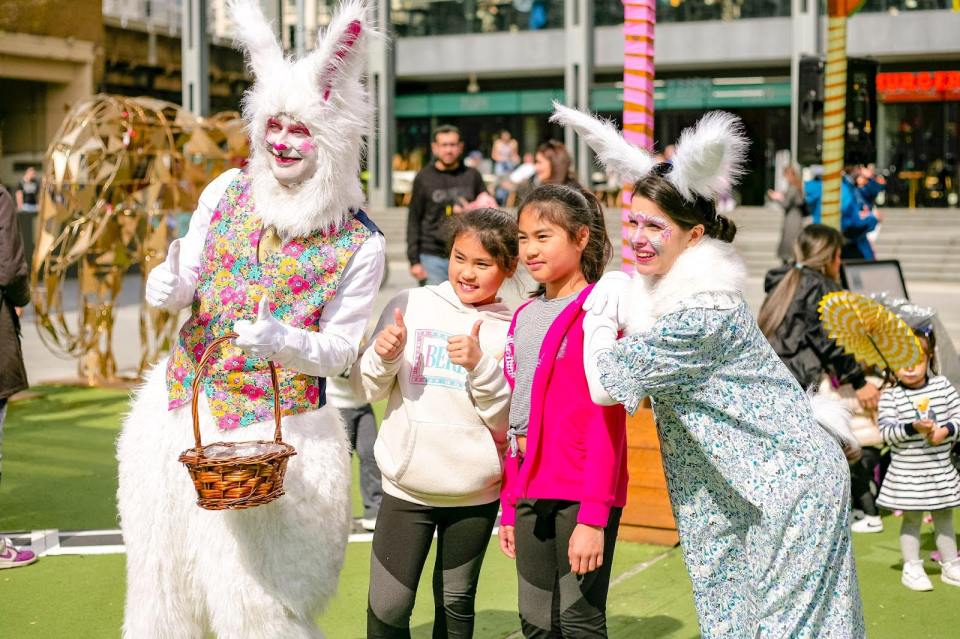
x: 263, y: 338
x: 164, y: 281
x: 392, y: 339
x: 465, y: 349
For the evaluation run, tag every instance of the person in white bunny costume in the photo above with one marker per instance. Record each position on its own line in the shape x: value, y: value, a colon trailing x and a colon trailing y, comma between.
x: 281, y: 254
x: 760, y: 491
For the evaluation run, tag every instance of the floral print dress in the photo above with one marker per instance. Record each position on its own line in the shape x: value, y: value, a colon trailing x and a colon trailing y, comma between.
x: 760, y: 491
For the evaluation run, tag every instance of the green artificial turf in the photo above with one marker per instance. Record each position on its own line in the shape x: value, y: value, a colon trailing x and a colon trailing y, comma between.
x: 76, y: 597
x: 59, y: 469
x: 59, y: 472
x: 82, y: 597
x: 496, y: 596
x: 59, y: 466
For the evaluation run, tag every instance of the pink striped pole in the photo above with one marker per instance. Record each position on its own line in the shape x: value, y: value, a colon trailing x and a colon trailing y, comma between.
x: 639, y: 20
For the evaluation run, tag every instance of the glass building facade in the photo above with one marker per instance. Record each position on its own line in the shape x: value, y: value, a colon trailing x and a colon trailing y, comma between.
x: 413, y: 18
x: 917, y: 133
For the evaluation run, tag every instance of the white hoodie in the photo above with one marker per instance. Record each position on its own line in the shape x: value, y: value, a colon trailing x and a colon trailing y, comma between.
x: 443, y: 436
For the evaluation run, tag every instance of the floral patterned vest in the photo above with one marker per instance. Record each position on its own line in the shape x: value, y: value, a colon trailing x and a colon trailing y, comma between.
x: 299, y: 279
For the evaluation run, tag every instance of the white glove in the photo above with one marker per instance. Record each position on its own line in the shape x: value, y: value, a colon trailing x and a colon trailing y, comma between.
x: 264, y: 338
x: 165, y: 288
x: 599, y: 335
x: 610, y: 298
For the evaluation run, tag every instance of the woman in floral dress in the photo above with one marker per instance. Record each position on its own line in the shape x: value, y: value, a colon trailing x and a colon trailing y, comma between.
x: 760, y: 490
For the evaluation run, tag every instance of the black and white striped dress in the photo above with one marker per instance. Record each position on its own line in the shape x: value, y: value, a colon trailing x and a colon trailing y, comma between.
x: 920, y: 476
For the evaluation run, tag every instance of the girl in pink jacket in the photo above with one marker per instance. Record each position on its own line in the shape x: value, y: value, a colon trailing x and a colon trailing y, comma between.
x: 565, y: 474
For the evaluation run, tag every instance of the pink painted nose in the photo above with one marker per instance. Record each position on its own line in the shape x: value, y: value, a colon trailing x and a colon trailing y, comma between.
x: 280, y: 147
x: 639, y: 239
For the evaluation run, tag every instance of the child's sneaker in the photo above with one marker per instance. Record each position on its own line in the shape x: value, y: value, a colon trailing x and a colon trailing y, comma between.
x: 10, y: 557
x: 950, y: 572
x: 914, y: 576
x: 869, y: 524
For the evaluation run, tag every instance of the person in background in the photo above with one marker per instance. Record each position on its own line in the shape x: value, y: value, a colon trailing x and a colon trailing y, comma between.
x: 668, y: 152
x: 871, y: 184
x: 552, y: 165
x: 440, y: 190
x: 518, y: 178
x: 28, y: 191
x: 505, y: 156
x: 14, y: 295
x: 790, y: 321
x: 857, y: 219
x: 795, y: 213
x: 361, y: 427
x: 919, y: 419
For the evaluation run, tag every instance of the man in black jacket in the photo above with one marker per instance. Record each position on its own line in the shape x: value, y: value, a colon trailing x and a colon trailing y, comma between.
x: 440, y: 190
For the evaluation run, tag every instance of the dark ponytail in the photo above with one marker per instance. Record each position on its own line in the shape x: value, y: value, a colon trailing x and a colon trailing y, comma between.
x: 661, y: 191
x: 571, y: 209
x: 815, y: 247
x: 722, y: 228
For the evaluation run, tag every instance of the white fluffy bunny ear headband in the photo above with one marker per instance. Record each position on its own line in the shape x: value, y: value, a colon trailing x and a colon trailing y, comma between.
x: 334, y: 48
x: 301, y: 88
x: 709, y: 156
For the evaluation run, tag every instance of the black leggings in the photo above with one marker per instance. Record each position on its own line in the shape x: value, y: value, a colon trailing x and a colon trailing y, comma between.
x: 861, y: 476
x: 400, y: 546
x: 555, y: 602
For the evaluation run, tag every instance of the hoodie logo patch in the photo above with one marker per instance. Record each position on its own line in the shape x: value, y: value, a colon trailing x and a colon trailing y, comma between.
x: 432, y: 365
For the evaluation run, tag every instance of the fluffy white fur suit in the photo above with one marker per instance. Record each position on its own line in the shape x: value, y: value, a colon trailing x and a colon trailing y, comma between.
x: 263, y: 572
x: 260, y: 572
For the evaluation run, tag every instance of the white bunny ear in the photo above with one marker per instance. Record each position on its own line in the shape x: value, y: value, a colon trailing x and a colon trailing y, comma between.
x: 709, y: 157
x: 255, y: 36
x: 339, y: 45
x: 631, y: 163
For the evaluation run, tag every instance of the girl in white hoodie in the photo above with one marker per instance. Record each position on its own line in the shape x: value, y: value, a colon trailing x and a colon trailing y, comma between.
x: 436, y: 357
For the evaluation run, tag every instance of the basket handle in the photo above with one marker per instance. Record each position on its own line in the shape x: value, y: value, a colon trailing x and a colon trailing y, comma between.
x: 207, y: 354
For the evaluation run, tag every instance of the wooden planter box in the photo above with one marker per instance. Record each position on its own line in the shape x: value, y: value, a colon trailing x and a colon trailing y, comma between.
x: 647, y: 517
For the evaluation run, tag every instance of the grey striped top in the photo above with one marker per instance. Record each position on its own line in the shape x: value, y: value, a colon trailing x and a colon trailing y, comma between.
x: 533, y: 322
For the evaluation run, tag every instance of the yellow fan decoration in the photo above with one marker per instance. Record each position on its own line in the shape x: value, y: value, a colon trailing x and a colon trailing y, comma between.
x: 869, y: 331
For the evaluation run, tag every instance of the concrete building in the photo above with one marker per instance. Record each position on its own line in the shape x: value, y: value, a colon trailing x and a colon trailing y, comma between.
x: 487, y: 65
x: 50, y: 56
x: 491, y: 65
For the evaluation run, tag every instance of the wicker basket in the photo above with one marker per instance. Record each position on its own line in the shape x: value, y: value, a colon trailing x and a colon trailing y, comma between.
x: 236, y: 475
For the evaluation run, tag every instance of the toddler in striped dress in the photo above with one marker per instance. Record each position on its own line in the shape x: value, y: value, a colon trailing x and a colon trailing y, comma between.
x: 919, y: 419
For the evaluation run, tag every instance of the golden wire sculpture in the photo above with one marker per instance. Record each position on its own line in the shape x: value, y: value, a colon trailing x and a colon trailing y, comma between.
x: 121, y: 179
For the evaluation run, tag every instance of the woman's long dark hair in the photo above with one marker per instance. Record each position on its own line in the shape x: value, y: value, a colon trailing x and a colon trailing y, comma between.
x: 815, y: 248
x: 573, y: 209
x: 560, y: 162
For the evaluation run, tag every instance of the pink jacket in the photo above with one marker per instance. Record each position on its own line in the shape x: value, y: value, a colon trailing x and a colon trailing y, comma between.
x: 576, y: 450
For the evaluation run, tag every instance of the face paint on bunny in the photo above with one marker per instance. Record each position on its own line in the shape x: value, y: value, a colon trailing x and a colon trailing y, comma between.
x: 292, y: 149
x: 641, y: 237
x: 656, y: 239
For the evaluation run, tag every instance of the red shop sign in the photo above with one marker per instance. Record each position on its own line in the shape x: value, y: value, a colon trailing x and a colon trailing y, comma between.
x: 918, y: 86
